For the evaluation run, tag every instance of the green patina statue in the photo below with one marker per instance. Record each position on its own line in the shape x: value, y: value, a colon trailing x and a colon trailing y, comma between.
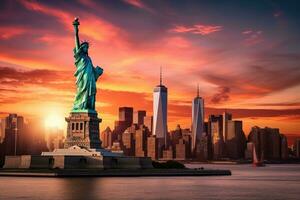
x: 86, y: 76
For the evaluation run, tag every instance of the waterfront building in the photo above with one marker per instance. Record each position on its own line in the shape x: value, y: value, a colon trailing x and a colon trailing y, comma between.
x: 267, y: 142
x: 284, y: 151
x: 2, y: 154
x: 14, y: 134
x: 2, y: 135
x: 175, y: 136
x: 202, y: 153
x: 225, y: 137
x: 128, y: 143
x: 275, y: 145
x: 160, y: 101
x: 182, y: 149
x: 141, y: 141
x: 188, y: 141
x: 152, y: 147
x: 2, y: 129
x: 107, y: 138
x: 23, y: 138
x: 235, y: 143
x: 138, y: 117
x: 215, y: 124
x: 180, y: 143
x: 197, y: 120
x: 228, y: 138
x: 168, y: 153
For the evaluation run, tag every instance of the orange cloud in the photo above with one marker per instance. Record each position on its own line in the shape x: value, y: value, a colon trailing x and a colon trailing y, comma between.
x: 61, y: 15
x: 94, y: 27
x: 197, y: 29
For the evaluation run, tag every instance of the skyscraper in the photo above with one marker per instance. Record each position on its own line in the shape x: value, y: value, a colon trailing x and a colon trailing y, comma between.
x: 266, y: 141
x: 13, y: 134
x: 107, y: 137
x: 235, y: 143
x: 126, y: 114
x: 215, y: 123
x: 160, y: 99
x: 138, y: 117
x: 284, y: 151
x: 141, y: 141
x: 226, y: 117
x: 125, y: 121
x: 197, y: 119
x: 127, y: 143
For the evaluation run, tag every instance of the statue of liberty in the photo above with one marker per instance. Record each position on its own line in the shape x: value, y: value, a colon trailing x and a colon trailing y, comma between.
x: 86, y: 75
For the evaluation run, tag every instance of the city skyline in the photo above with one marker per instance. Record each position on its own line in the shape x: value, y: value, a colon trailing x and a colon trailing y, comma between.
x: 192, y: 48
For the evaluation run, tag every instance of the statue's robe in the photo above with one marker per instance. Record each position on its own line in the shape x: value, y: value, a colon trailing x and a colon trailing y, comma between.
x: 86, y: 77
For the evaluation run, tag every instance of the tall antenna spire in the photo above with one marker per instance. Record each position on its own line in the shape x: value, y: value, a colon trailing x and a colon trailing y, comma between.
x: 160, y: 79
x: 197, y: 89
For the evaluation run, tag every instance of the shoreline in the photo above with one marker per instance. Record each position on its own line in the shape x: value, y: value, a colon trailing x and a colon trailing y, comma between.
x: 112, y: 172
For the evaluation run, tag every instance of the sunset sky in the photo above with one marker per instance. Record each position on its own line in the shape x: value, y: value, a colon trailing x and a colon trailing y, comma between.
x: 245, y: 55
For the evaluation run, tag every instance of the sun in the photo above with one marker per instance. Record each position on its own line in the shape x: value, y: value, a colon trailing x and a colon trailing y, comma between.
x: 54, y: 121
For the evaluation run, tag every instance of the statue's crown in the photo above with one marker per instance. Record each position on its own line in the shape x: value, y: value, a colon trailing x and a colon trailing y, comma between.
x: 84, y: 42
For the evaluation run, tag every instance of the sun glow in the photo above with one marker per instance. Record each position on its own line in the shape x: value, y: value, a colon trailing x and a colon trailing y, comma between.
x: 54, y: 121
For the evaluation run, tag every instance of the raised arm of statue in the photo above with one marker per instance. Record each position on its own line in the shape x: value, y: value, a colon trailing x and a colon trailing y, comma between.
x: 76, y: 24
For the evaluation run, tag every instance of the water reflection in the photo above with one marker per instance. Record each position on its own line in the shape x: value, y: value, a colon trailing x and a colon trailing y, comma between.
x: 77, y: 188
x: 276, y: 181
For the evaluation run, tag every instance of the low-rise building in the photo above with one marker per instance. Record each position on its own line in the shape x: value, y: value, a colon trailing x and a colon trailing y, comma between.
x: 297, y: 147
x: 152, y: 147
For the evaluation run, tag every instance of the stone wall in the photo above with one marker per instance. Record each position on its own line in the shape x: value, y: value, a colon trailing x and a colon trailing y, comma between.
x: 76, y: 162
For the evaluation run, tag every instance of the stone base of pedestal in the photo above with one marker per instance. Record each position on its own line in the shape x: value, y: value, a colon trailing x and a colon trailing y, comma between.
x: 76, y: 157
x: 83, y: 130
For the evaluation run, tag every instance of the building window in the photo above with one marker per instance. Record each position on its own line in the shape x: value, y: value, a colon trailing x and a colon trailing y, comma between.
x: 76, y: 126
x: 81, y: 126
x: 73, y: 126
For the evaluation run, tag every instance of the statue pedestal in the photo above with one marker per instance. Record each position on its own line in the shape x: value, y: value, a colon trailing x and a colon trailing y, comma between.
x: 83, y: 130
